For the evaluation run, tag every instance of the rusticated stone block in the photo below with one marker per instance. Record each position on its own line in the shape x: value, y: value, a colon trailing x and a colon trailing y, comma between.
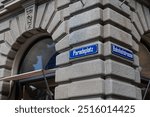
x: 61, y: 92
x: 119, y: 69
x: 62, y: 58
x: 116, y: 3
x: 83, y: 88
x: 147, y: 15
x: 86, y: 34
x: 135, y: 33
x: 86, y: 88
x: 4, y: 26
x: 118, y: 34
x: 85, y: 18
x: 61, y: 3
x: 55, y: 22
x: 114, y: 87
x: 48, y: 14
x: 61, y: 30
x: 141, y: 16
x: 63, y: 43
x: 137, y: 22
x: 80, y: 70
x: 77, y: 6
x: 111, y: 15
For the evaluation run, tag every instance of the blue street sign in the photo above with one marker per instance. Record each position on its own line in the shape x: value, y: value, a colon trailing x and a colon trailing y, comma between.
x: 119, y: 51
x: 83, y: 51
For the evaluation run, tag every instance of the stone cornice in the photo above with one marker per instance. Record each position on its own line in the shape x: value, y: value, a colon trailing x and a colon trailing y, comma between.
x: 10, y: 5
x: 7, y: 6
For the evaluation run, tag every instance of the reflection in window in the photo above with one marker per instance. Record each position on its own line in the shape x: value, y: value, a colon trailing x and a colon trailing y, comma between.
x: 41, y: 55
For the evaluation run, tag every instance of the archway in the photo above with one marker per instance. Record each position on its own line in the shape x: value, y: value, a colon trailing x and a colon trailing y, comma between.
x: 47, y: 21
x: 140, y: 18
x: 36, y: 54
x: 25, y: 46
x: 144, y: 58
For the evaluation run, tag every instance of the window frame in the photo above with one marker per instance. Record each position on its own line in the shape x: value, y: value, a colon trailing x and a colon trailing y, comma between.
x: 29, y: 48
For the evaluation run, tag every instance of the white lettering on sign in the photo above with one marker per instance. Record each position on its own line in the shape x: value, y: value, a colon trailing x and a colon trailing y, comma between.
x: 83, y: 51
x: 122, y: 52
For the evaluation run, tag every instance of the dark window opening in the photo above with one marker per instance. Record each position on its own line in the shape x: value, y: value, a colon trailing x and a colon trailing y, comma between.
x: 35, y: 88
x: 41, y: 55
x: 145, y: 88
x: 144, y: 57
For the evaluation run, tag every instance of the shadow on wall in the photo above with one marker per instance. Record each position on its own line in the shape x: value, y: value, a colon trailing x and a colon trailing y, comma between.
x: 144, y: 55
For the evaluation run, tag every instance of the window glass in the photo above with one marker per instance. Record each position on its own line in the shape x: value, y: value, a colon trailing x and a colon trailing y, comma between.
x: 41, y: 55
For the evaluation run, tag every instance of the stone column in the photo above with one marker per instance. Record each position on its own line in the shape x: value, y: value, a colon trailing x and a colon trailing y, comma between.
x: 112, y: 71
x: 122, y: 77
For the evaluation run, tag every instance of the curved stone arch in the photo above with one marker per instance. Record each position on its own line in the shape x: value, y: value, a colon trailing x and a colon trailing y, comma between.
x: 24, y: 47
x: 140, y: 18
x: 48, y: 21
x: 140, y: 28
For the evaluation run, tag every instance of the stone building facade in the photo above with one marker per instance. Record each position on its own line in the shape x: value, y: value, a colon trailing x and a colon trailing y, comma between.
x: 97, y: 42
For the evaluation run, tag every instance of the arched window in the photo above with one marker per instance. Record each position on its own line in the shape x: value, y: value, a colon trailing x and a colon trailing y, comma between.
x: 144, y: 56
x: 144, y: 59
x: 40, y: 55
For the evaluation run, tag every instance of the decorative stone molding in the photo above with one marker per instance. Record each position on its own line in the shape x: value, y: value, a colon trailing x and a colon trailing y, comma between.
x: 30, y: 17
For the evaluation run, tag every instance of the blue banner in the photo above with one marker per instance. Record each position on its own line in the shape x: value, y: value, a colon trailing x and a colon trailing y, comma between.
x: 119, y: 51
x: 83, y: 51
